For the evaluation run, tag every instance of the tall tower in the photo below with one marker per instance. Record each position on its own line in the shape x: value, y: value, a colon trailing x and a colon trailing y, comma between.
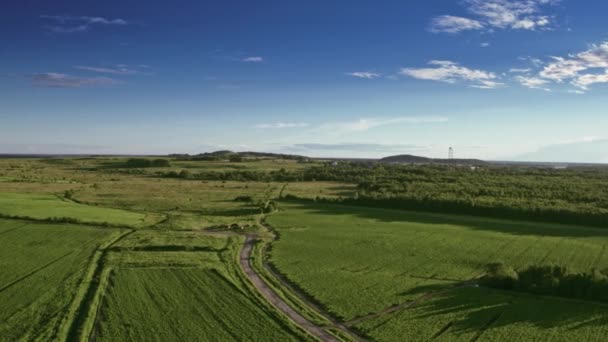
x: 451, y: 153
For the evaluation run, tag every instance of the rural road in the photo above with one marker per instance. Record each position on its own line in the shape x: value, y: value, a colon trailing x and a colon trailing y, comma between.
x: 273, y: 298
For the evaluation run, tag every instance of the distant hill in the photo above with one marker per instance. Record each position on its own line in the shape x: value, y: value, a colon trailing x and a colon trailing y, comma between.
x: 411, y: 159
x: 226, y: 155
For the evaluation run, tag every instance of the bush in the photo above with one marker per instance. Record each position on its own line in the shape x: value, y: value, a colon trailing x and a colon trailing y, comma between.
x: 499, y: 275
x: 548, y: 280
x: 185, y: 174
x: 138, y: 162
x: 243, y: 199
x: 142, y: 163
x: 68, y: 194
x: 160, y: 163
x: 235, y: 158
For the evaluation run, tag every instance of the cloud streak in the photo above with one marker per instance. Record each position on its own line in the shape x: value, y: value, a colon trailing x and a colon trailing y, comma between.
x: 364, y: 74
x: 490, y: 15
x: 57, y: 80
x: 533, y: 82
x: 364, y: 124
x: 453, y: 24
x: 279, y: 125
x: 452, y: 72
x: 118, y: 69
x: 253, y: 59
x: 580, y: 70
x: 65, y: 24
x: 361, y: 147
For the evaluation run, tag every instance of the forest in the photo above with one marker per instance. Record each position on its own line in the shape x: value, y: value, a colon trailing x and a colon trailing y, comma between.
x: 574, y: 195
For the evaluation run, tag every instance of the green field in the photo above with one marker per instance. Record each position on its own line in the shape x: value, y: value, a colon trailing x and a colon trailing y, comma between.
x: 463, y: 315
x: 163, y: 261
x: 176, y: 285
x: 42, y: 267
x: 185, y: 305
x: 43, y: 206
x: 356, y: 261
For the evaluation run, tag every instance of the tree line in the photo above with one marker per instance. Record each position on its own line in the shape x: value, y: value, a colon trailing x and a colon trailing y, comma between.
x: 549, y: 280
x: 577, y: 196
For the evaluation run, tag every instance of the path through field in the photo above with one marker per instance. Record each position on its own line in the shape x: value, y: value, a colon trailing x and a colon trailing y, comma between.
x: 273, y: 298
x: 409, y: 304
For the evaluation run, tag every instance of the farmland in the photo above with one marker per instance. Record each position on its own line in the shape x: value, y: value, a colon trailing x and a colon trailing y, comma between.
x: 42, y: 266
x: 95, y: 249
x: 373, y: 259
x: 162, y: 304
x: 42, y: 206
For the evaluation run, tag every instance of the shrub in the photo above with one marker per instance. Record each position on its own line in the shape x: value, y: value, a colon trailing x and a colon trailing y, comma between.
x: 138, y: 162
x: 243, y: 198
x: 185, y: 174
x: 548, y: 280
x: 499, y: 275
x: 160, y: 163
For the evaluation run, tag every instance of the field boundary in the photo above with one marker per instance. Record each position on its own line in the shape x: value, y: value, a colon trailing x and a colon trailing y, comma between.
x: 31, y: 273
x: 77, y: 326
x: 272, y: 297
x: 409, y: 304
x: 304, y: 298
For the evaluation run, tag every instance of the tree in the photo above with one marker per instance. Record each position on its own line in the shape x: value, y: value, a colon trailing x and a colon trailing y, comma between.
x: 235, y: 158
x: 185, y: 174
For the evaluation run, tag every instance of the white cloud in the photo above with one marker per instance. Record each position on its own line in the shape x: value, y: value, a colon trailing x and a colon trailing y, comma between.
x: 120, y: 69
x: 365, y: 124
x: 512, y: 14
x: 364, y: 74
x: 583, y: 149
x: 282, y: 125
x: 584, y: 81
x: 497, y: 14
x: 483, y: 84
x: 520, y: 70
x: 533, y: 82
x: 561, y: 69
x: 360, y: 147
x: 253, y: 59
x: 453, y: 24
x: 581, y: 70
x: 451, y: 72
x: 576, y: 91
x: 73, y: 24
x: 57, y: 80
x: 485, y: 44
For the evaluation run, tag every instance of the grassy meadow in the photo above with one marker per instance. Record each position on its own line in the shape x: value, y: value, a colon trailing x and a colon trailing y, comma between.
x: 45, y: 206
x: 187, y: 304
x: 91, y: 249
x: 42, y: 266
x: 182, y: 285
x: 356, y: 261
x: 68, y: 281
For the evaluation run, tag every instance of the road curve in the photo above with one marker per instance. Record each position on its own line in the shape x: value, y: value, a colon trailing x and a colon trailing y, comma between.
x: 273, y: 298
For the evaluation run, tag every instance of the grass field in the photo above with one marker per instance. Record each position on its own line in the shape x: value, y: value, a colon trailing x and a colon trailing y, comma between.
x: 177, y: 285
x: 185, y: 305
x: 491, y: 315
x: 372, y: 259
x: 44, y: 206
x: 173, y: 279
x: 42, y: 267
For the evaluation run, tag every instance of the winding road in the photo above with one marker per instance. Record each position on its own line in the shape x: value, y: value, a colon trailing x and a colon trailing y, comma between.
x: 273, y: 298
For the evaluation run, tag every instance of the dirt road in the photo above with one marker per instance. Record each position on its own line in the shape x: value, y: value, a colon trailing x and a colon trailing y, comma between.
x: 273, y: 298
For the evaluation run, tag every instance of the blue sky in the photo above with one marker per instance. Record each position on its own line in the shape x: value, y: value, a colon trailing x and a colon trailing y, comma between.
x: 495, y: 79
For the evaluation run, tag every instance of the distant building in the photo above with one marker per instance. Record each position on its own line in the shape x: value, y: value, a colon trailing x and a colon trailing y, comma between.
x: 335, y: 163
